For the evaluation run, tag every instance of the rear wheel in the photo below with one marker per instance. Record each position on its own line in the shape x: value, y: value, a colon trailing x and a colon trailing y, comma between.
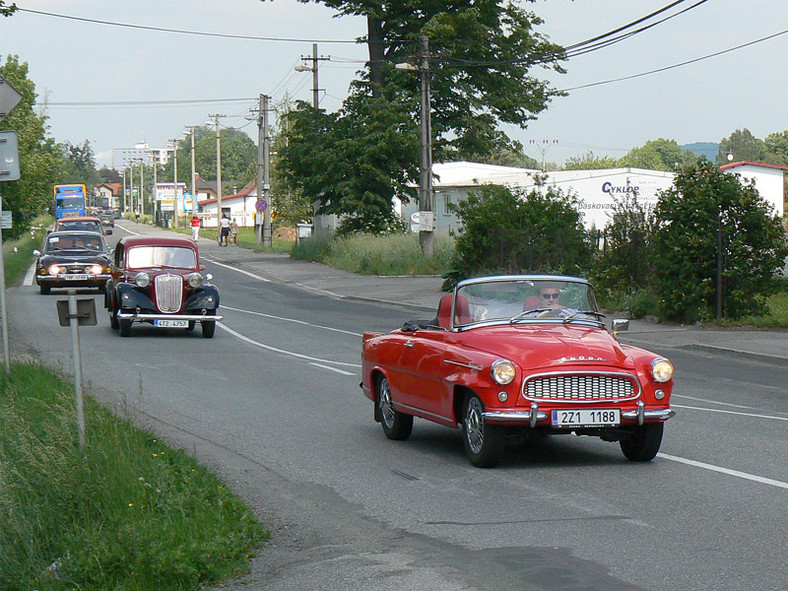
x: 396, y: 425
x: 644, y: 444
x: 482, y: 442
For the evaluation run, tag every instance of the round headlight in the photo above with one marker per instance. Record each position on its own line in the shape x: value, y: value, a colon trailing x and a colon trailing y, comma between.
x: 142, y: 280
x: 662, y: 369
x: 95, y: 269
x: 195, y: 280
x: 54, y: 270
x: 502, y: 371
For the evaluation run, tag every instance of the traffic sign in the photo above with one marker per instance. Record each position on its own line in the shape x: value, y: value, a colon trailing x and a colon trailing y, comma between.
x: 9, y: 156
x: 261, y: 205
x: 9, y: 98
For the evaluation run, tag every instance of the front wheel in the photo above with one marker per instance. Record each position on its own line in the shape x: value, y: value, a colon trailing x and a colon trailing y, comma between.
x: 644, y: 444
x: 208, y: 328
x: 396, y: 425
x: 482, y: 441
x: 113, y: 320
x: 44, y: 289
x: 125, y: 327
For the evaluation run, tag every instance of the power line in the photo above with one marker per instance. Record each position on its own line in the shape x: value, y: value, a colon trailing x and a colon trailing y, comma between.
x: 184, y: 31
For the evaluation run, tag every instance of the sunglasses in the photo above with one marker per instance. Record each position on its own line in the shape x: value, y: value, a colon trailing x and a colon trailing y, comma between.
x: 551, y: 296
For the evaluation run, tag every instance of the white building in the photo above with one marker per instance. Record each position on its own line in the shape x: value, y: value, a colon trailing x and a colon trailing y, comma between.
x: 240, y: 207
x: 597, y: 191
x: 769, y: 181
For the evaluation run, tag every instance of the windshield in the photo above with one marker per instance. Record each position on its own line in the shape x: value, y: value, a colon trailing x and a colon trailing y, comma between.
x: 161, y: 256
x: 88, y: 225
x: 524, y: 299
x: 91, y: 242
x: 70, y: 202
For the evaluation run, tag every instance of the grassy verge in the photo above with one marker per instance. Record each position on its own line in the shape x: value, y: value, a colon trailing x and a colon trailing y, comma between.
x: 18, y: 253
x: 397, y: 254
x: 246, y: 239
x: 124, y: 513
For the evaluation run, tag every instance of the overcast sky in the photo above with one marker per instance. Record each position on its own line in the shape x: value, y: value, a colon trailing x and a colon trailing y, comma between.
x: 76, y: 61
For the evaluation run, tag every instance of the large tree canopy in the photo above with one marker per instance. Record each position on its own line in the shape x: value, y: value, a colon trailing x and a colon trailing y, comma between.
x: 480, y: 59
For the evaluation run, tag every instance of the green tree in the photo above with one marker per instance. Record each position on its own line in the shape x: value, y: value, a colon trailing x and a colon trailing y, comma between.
x: 702, y: 201
x: 777, y: 148
x: 659, y: 154
x: 39, y: 159
x: 80, y: 164
x: 475, y: 86
x: 513, y: 231
x: 741, y: 146
x: 7, y: 10
x: 589, y: 161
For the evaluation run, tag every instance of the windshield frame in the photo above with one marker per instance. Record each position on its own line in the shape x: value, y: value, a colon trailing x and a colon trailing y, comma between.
x: 513, y: 292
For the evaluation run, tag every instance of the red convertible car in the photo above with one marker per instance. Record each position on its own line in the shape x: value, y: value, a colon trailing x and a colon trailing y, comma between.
x: 159, y: 281
x: 512, y: 357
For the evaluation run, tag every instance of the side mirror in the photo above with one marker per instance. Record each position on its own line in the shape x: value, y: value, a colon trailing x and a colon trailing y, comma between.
x: 208, y: 276
x: 109, y: 232
x: 36, y: 253
x: 620, y: 324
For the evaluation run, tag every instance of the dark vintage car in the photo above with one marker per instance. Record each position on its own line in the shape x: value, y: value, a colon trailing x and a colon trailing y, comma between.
x: 87, y: 223
x: 513, y: 357
x: 107, y: 218
x: 72, y: 259
x: 160, y: 281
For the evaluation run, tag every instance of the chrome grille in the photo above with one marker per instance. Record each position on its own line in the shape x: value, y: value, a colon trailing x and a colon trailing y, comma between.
x: 169, y: 290
x: 581, y: 387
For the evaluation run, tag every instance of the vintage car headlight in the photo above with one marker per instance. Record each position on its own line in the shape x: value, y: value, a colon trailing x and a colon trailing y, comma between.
x: 54, y: 269
x: 195, y: 280
x: 96, y: 269
x: 662, y: 369
x: 142, y: 280
x: 502, y: 371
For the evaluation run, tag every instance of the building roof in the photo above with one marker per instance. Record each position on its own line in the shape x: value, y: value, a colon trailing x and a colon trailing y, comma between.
x: 245, y: 192
x: 756, y: 164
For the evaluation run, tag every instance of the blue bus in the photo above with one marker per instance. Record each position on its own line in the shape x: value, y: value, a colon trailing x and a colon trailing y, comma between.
x: 70, y: 201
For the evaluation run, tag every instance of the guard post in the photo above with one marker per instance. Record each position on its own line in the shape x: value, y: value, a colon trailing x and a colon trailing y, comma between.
x: 76, y: 313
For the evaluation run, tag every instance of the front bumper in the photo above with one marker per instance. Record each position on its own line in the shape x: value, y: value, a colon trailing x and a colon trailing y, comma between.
x: 141, y: 317
x: 533, y: 415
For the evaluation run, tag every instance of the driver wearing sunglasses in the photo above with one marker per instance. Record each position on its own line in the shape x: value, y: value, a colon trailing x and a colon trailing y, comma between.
x: 548, y: 298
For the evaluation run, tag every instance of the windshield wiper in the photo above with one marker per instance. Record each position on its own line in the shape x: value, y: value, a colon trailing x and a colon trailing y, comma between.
x: 577, y: 316
x: 523, y: 315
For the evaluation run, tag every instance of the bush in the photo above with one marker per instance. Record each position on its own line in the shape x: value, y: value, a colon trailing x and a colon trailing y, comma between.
x: 703, y: 206
x: 511, y: 231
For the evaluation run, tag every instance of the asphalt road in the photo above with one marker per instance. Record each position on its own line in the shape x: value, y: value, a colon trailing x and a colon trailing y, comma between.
x: 272, y: 403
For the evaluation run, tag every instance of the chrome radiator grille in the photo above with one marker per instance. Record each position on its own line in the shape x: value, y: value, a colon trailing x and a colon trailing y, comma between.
x: 581, y: 387
x: 169, y: 290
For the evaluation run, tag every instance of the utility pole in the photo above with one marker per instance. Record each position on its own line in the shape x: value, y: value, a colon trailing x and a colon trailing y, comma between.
x: 175, y: 182
x: 218, y: 168
x: 313, y: 68
x: 267, y: 237
x: 545, y: 145
x: 426, y: 213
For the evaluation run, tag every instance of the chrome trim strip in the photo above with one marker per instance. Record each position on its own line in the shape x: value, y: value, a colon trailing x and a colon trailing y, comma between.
x: 649, y: 415
x: 614, y: 374
x: 421, y: 411
x: 524, y: 416
x: 141, y: 317
x: 468, y: 365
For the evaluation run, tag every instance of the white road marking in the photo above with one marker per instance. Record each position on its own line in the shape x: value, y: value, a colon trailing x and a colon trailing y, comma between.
x: 717, y: 402
x: 29, y: 276
x: 243, y: 272
x: 283, y: 351
x: 736, y: 473
x: 731, y: 412
x: 342, y: 371
x: 293, y: 320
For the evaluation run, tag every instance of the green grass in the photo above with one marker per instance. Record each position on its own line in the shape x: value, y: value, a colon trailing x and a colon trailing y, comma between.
x: 126, y: 513
x: 396, y: 254
x: 18, y: 253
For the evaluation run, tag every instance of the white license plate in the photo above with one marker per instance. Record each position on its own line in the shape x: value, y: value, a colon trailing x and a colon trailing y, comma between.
x: 587, y: 417
x: 78, y: 277
x: 171, y: 323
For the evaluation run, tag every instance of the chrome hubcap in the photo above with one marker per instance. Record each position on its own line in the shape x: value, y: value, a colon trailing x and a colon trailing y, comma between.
x: 384, y: 400
x: 474, y: 425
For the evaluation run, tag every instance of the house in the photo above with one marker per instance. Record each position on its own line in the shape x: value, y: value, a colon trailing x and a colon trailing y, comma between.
x: 769, y: 181
x: 239, y: 206
x: 107, y: 194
